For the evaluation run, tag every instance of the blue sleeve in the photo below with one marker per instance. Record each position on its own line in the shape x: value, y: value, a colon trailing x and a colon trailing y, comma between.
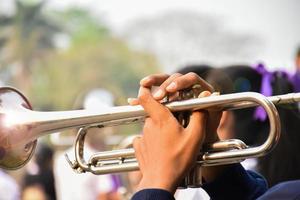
x: 153, y: 194
x: 236, y: 183
x: 286, y: 190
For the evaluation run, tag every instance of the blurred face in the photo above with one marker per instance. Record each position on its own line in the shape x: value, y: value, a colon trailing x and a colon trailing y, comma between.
x: 226, y: 126
x: 298, y: 62
x: 34, y: 193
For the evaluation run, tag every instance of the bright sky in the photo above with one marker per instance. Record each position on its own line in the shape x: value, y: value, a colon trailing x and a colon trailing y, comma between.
x: 275, y: 21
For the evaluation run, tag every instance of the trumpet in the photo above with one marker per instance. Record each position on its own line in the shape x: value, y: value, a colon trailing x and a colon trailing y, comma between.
x: 20, y: 127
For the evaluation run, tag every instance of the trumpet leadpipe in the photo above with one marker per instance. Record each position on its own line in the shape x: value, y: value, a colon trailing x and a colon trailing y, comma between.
x: 20, y: 126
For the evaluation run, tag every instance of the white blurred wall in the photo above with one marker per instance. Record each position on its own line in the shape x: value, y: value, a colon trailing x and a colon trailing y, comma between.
x: 274, y: 21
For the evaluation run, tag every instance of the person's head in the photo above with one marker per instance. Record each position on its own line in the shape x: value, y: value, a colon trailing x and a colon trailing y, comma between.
x: 252, y: 129
x: 233, y: 79
x: 297, y: 59
x: 221, y: 82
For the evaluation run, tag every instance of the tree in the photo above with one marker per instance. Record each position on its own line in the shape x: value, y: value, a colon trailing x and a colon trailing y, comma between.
x: 95, y: 58
x: 24, y: 38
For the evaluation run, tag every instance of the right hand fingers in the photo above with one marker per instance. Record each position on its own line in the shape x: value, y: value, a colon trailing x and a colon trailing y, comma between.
x: 153, y: 108
x: 133, y: 101
x: 149, y: 82
x: 161, y: 80
x: 187, y: 81
x: 154, y: 80
x: 174, y: 83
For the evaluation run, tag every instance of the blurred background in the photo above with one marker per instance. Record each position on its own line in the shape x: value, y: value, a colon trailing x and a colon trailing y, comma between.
x: 70, y: 46
x: 56, y: 51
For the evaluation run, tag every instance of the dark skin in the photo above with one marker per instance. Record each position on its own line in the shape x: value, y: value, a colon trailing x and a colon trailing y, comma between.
x: 165, y: 143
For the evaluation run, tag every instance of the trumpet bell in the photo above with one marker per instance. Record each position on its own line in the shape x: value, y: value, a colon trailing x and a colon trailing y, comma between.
x: 15, y: 149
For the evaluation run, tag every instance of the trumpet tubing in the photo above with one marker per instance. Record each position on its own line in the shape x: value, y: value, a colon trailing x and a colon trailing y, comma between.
x: 20, y: 127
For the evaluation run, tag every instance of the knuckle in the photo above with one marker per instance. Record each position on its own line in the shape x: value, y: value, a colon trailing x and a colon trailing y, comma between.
x: 177, y: 74
x: 157, y: 76
x: 142, y: 98
x: 193, y: 76
x: 147, y: 120
x: 149, y: 78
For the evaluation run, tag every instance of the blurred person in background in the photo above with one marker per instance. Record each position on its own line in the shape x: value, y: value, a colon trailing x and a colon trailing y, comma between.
x: 251, y: 124
x: 226, y: 127
x: 39, y: 179
x: 9, y: 189
x: 69, y: 184
x: 298, y: 59
x: 223, y: 182
x: 162, y: 182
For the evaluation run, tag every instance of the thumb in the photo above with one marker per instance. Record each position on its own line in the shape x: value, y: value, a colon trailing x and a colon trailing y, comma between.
x: 197, y: 124
x: 197, y: 127
x: 153, y: 108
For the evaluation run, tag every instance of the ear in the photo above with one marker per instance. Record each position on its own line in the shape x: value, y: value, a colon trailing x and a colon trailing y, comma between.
x: 226, y: 127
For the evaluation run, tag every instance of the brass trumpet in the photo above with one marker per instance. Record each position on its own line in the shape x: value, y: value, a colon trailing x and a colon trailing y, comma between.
x: 20, y: 127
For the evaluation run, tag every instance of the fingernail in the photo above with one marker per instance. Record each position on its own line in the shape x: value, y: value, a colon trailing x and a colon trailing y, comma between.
x: 172, y: 86
x: 129, y: 100
x: 159, y: 93
x: 144, y: 79
x: 203, y: 94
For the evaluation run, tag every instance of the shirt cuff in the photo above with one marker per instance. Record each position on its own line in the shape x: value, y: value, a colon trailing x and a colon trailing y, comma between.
x: 235, y: 182
x: 153, y: 194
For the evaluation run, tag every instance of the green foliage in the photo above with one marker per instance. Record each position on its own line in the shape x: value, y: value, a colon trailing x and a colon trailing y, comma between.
x: 95, y: 59
x: 27, y: 33
x: 25, y: 37
x: 54, y: 79
x: 82, y: 26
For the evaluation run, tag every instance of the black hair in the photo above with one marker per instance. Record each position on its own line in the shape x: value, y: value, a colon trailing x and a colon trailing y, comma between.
x: 44, y: 156
x: 202, y: 70
x: 282, y: 163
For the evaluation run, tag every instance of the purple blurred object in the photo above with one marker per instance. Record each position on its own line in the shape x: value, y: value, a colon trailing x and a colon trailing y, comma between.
x: 265, y: 89
x: 116, y: 181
